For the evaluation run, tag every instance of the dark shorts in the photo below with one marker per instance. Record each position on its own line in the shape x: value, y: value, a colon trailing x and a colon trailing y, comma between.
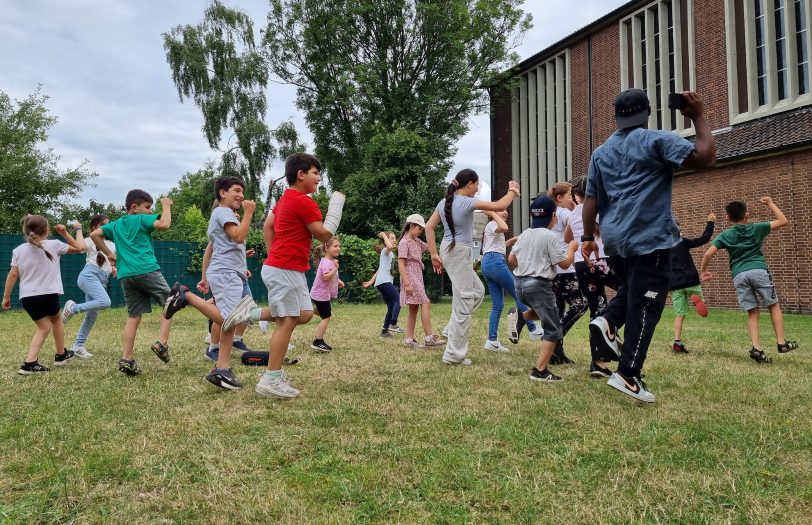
x: 39, y: 306
x: 323, y: 308
x: 138, y: 289
x: 537, y: 293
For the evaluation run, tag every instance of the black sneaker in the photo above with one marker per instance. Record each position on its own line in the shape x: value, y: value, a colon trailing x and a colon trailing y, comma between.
x: 759, y: 357
x: 61, y: 359
x: 176, y: 300
x: 26, y: 369
x: 129, y: 368
x: 386, y: 335
x: 544, y: 376
x: 161, y: 350
x: 599, y: 371
x: 224, y: 379
x: 788, y: 346
x: 320, y: 345
x: 559, y: 357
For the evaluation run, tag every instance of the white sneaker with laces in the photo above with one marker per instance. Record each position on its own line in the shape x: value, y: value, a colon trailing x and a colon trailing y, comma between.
x: 495, y: 346
x: 68, y: 311
x: 81, y: 351
x: 633, y: 387
x: 277, y: 387
x: 241, y: 314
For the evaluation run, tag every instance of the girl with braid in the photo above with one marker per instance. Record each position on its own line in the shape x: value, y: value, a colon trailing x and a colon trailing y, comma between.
x: 36, y: 264
x: 456, y: 212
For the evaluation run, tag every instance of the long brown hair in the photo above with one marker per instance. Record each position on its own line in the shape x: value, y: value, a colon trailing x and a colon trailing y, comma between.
x: 95, y: 222
x: 35, y: 230
x: 462, y: 178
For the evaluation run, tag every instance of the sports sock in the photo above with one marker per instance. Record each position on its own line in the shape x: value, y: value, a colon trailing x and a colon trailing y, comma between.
x: 256, y: 314
x: 273, y: 374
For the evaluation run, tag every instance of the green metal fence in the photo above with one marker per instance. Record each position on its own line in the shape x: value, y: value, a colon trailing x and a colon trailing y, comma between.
x: 174, y: 258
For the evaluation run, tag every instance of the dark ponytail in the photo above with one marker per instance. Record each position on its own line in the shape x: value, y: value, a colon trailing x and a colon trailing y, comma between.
x: 461, y: 180
x: 95, y: 222
x: 35, y: 230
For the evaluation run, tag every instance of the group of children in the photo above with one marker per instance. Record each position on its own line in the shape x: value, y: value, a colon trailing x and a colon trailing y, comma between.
x: 544, y: 272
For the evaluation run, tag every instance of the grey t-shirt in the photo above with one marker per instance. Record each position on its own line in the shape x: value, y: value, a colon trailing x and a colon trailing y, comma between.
x: 462, y: 211
x: 227, y: 255
x: 630, y: 176
x: 538, y: 252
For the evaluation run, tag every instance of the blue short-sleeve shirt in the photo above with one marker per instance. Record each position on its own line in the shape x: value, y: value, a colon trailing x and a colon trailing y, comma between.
x: 630, y: 176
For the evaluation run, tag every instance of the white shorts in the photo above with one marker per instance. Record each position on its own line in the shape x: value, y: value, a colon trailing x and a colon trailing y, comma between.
x: 288, y: 295
x: 227, y: 289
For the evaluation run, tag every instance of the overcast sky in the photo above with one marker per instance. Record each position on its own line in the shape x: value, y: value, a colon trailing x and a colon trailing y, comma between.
x: 103, y: 67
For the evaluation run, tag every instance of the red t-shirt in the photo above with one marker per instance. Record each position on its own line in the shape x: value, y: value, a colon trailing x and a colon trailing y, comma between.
x: 291, y: 241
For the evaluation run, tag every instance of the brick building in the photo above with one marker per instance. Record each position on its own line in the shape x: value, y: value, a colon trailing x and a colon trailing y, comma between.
x: 748, y: 60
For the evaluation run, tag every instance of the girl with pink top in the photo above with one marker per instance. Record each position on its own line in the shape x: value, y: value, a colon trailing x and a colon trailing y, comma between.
x: 325, y: 288
x: 412, y: 290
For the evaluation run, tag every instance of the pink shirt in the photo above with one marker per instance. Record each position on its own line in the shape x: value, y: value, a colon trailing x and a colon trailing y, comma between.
x: 324, y: 290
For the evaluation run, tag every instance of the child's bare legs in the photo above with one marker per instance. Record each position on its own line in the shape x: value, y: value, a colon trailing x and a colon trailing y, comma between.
x: 531, y: 315
x: 215, y: 333
x: 411, y: 321
x: 678, y: 320
x: 281, y: 337
x: 226, y: 344
x: 163, y: 331
x: 545, y: 352
x: 752, y: 326
x: 43, y: 328
x: 130, y: 328
x: 425, y: 319
x: 322, y: 328
x: 778, y: 323
x: 58, y: 329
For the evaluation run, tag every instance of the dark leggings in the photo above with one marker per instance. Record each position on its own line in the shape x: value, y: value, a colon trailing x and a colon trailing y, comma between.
x: 593, y: 282
x: 567, y: 291
x: 392, y: 298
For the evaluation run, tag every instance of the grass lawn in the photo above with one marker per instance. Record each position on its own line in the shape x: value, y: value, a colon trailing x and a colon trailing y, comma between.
x: 382, y: 434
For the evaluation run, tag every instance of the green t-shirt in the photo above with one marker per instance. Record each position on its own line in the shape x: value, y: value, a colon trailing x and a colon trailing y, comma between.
x: 743, y: 244
x: 133, y: 237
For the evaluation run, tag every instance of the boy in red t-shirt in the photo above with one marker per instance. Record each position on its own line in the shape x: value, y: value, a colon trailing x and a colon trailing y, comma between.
x: 288, y: 232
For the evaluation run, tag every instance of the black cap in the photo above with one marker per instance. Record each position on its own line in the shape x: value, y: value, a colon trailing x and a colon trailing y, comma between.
x: 632, y: 108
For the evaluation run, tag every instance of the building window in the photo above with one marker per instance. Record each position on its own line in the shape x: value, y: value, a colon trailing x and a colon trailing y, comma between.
x: 656, y: 55
x: 768, y: 44
x: 541, y: 132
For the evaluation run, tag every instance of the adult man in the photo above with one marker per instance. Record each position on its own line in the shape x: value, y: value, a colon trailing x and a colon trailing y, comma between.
x: 629, y: 185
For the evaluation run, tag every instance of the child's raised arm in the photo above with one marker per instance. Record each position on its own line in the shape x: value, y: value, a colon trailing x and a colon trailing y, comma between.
x: 704, y: 274
x: 503, y: 203
x: 76, y: 245
x: 780, y: 220
x: 318, y: 231
x: 386, y: 242
x: 165, y: 221
x: 11, y: 279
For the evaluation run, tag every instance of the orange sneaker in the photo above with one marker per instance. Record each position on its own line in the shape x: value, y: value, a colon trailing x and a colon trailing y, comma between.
x: 701, y: 307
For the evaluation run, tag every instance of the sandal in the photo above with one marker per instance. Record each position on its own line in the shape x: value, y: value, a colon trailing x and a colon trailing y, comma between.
x: 788, y: 346
x: 759, y: 357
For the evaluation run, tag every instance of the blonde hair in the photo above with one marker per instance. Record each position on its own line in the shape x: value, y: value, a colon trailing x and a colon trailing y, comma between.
x: 379, y: 246
x: 35, y: 230
x: 558, y: 189
x: 321, y: 249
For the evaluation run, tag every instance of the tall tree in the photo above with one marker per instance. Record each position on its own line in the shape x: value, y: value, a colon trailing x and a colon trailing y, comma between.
x: 216, y: 63
x: 365, y: 67
x: 31, y: 180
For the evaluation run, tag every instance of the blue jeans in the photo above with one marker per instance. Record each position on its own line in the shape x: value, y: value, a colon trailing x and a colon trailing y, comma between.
x: 392, y: 298
x: 93, y: 281
x: 500, y: 280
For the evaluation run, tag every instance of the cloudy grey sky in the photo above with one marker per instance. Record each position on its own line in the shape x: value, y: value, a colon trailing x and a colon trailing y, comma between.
x: 103, y: 67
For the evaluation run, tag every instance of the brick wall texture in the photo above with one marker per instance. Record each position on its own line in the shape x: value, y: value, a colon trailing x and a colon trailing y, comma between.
x: 785, y: 176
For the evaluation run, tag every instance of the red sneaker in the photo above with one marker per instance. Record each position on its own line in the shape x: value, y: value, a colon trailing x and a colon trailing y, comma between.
x: 701, y: 307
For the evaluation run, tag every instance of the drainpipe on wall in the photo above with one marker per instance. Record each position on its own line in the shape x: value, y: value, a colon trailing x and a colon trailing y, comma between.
x: 589, y: 86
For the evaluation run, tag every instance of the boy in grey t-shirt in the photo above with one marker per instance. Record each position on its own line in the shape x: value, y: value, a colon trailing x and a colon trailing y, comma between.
x: 534, y: 258
x: 225, y: 276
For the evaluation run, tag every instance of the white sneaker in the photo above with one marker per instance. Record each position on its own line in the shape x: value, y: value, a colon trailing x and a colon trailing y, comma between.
x: 278, y: 387
x: 633, y: 387
x: 464, y: 362
x: 495, y: 346
x: 291, y: 346
x: 512, y: 321
x: 536, y: 334
x: 263, y: 327
x: 81, y: 351
x: 67, y: 311
x: 445, y: 332
x: 207, y: 339
x: 241, y: 314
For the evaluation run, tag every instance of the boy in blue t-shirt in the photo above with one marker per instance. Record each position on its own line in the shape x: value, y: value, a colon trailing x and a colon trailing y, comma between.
x: 752, y: 279
x: 629, y: 184
x: 138, y: 269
